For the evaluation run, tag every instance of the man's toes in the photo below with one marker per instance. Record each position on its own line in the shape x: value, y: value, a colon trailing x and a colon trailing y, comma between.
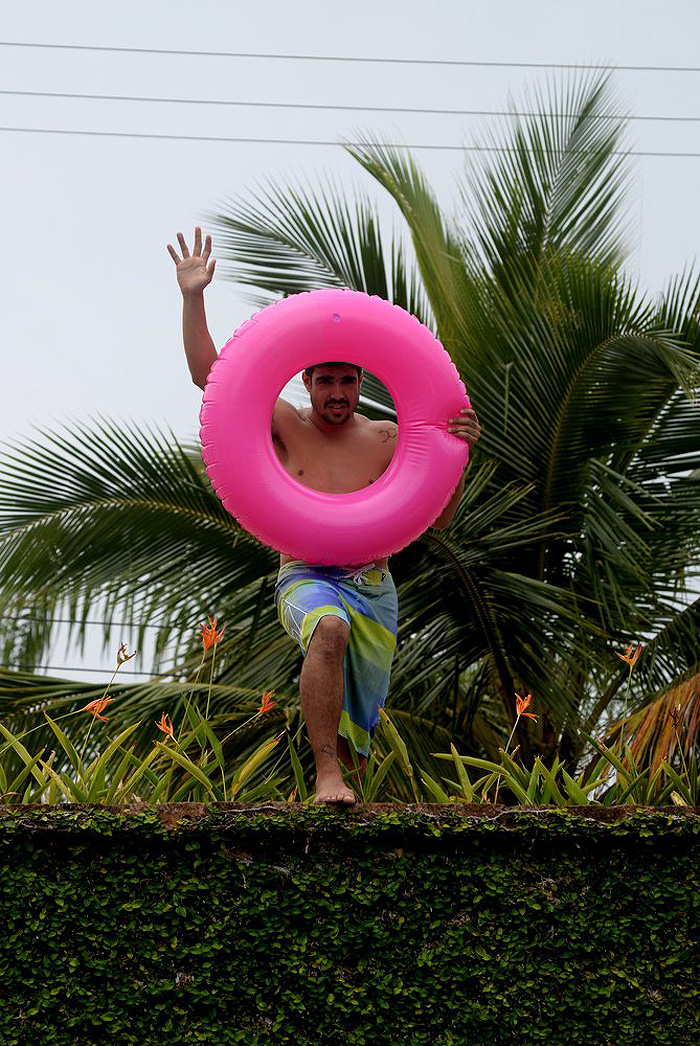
x: 342, y: 798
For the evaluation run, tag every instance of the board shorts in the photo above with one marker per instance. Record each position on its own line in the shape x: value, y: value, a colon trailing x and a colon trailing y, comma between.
x: 365, y: 599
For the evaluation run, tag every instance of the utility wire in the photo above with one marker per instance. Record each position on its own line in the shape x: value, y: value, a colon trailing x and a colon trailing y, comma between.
x: 311, y: 141
x: 66, y: 668
x: 329, y: 108
x: 156, y: 677
x: 78, y: 621
x: 355, y: 58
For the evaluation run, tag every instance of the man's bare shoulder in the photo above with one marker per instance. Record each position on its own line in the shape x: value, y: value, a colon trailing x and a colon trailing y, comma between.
x: 383, y: 431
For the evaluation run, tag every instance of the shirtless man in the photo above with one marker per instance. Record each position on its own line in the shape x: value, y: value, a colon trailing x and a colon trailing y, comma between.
x: 340, y: 614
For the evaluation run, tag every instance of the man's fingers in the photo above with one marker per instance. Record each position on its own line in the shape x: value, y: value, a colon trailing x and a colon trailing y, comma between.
x: 207, y: 249
x: 466, y: 426
x: 211, y: 267
x: 183, y: 245
x: 197, y: 249
x: 174, y: 255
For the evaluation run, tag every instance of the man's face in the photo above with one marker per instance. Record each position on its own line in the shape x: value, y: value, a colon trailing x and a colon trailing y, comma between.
x: 334, y: 392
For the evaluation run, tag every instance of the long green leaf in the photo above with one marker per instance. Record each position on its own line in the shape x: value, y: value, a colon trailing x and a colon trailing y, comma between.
x: 72, y: 791
x: 67, y: 746
x: 18, y: 781
x: 434, y: 788
x: 575, y: 792
x: 377, y: 778
x: 297, y: 770
x: 98, y: 770
x: 124, y: 794
x: 18, y: 747
x: 251, y: 764
x: 465, y: 783
x: 187, y: 764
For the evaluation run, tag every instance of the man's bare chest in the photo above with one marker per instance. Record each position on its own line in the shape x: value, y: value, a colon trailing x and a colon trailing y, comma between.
x: 337, y: 466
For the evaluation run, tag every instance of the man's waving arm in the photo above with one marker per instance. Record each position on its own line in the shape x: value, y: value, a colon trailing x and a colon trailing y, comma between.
x: 194, y: 272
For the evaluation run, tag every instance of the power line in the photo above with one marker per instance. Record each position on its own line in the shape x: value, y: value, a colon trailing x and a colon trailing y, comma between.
x: 66, y: 668
x: 311, y: 141
x: 325, y: 107
x: 79, y: 621
x: 356, y: 58
x: 159, y: 678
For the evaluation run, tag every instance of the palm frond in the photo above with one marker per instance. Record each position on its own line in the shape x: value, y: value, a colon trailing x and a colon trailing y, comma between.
x: 439, y: 246
x: 118, y: 519
x: 557, y: 183
x: 284, y: 240
x: 666, y: 728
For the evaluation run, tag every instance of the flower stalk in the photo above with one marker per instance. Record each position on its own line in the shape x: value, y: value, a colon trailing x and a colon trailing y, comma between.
x: 521, y: 706
x: 630, y: 657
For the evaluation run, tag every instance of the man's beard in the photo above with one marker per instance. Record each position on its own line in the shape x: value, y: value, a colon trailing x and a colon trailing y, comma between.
x: 336, y: 417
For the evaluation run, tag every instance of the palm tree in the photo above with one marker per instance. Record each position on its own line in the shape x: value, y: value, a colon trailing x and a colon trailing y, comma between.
x: 579, y: 530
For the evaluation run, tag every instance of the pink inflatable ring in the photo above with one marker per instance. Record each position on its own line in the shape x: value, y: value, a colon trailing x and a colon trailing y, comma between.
x: 239, y: 397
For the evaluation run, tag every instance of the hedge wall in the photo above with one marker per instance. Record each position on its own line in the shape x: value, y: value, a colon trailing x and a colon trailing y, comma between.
x: 221, y: 924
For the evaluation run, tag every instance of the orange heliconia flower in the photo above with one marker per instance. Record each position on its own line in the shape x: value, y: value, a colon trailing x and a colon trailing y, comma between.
x: 98, y: 706
x: 266, y: 703
x: 521, y: 703
x: 122, y: 655
x: 209, y: 634
x: 631, y: 658
x: 165, y: 725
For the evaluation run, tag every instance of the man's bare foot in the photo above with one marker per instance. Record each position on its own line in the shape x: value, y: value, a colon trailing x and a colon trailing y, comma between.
x: 332, y: 789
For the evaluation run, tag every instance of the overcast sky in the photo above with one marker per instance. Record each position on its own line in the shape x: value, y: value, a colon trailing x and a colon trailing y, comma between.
x: 90, y: 322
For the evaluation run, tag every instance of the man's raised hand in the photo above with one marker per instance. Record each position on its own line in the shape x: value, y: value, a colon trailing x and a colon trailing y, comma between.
x: 194, y: 271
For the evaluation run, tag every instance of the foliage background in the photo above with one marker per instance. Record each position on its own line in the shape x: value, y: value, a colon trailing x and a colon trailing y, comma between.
x: 579, y: 530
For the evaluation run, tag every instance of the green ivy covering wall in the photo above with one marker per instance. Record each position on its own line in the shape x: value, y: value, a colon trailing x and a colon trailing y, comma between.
x: 383, y: 924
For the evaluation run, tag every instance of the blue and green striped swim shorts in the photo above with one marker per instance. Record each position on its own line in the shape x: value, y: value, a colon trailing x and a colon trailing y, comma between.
x: 366, y: 600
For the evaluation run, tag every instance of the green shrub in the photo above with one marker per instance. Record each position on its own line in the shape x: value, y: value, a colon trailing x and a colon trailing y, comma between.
x: 457, y: 924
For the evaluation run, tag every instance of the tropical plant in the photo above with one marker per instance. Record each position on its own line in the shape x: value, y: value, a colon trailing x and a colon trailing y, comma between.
x: 579, y: 529
x: 193, y: 766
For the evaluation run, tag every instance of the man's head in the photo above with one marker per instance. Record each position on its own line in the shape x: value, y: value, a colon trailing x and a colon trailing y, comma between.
x: 334, y: 389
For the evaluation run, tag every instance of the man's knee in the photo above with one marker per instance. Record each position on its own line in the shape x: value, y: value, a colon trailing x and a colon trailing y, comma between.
x: 331, y: 635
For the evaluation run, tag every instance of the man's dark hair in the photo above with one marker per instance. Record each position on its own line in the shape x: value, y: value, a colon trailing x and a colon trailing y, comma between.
x: 338, y: 363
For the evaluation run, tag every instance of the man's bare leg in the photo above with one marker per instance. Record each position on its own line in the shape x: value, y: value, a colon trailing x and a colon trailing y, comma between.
x: 345, y: 756
x: 321, y: 686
